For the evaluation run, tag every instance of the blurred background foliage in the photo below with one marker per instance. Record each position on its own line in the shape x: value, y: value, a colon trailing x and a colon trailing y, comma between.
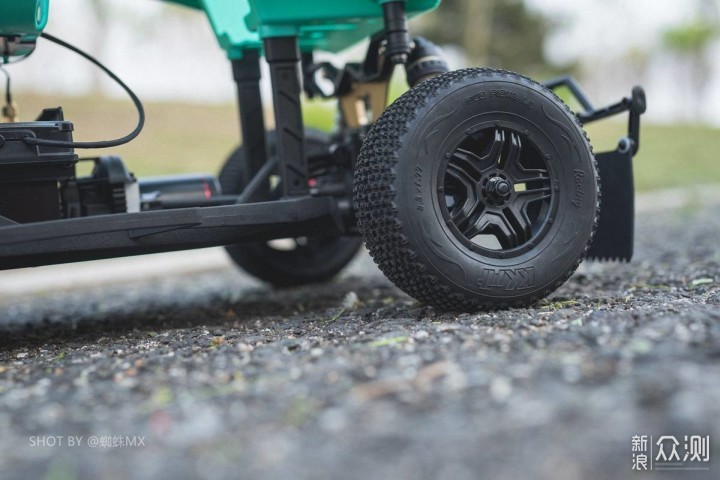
x: 494, y: 33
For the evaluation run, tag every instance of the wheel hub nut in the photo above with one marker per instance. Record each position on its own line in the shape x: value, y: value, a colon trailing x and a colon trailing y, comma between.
x: 499, y: 188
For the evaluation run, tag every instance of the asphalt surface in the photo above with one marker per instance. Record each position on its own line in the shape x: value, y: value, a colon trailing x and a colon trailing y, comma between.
x: 214, y: 376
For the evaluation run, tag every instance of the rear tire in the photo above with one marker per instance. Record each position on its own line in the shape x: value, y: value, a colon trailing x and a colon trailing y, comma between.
x: 300, y: 261
x: 477, y: 189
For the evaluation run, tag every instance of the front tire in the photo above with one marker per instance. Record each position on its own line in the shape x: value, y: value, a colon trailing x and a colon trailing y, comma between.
x: 477, y: 189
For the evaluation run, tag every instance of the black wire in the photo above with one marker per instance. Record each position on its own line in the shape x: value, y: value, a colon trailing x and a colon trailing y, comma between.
x: 104, y: 143
x: 8, y: 92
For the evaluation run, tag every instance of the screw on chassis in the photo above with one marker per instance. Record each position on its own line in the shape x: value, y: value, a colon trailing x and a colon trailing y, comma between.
x: 477, y: 188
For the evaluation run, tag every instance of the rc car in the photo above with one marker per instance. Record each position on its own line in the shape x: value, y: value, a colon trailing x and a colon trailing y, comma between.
x: 477, y: 188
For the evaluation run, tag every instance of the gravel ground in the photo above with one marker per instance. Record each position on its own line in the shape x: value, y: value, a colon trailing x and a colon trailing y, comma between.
x: 220, y: 377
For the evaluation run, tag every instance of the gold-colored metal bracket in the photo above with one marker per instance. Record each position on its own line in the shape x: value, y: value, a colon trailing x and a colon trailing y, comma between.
x: 10, y: 112
x: 364, y: 103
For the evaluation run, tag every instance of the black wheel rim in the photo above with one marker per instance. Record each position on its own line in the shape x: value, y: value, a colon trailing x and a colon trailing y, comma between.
x: 495, y: 192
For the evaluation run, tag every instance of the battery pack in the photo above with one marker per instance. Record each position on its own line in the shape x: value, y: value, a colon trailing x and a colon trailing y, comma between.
x: 29, y: 174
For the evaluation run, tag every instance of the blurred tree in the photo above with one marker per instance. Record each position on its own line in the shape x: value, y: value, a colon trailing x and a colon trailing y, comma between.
x: 690, y: 42
x: 495, y: 33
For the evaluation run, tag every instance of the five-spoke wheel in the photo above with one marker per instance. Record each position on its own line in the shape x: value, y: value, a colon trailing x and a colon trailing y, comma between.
x: 496, y: 191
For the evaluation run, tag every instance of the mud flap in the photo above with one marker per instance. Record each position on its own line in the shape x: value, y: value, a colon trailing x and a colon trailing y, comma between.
x: 614, y: 235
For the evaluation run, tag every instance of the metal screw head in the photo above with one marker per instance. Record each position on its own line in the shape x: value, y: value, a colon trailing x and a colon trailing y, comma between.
x: 503, y: 188
x: 499, y: 188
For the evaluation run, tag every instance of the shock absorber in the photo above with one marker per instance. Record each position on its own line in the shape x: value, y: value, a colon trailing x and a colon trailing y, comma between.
x: 422, y: 58
x: 425, y: 61
x: 396, y: 31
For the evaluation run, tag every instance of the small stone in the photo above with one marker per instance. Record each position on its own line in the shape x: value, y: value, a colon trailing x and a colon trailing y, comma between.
x: 421, y: 335
x: 500, y: 389
x: 351, y: 301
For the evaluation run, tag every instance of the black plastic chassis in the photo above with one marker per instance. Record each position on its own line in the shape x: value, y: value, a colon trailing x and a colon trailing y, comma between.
x: 296, y: 214
x: 107, y: 236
